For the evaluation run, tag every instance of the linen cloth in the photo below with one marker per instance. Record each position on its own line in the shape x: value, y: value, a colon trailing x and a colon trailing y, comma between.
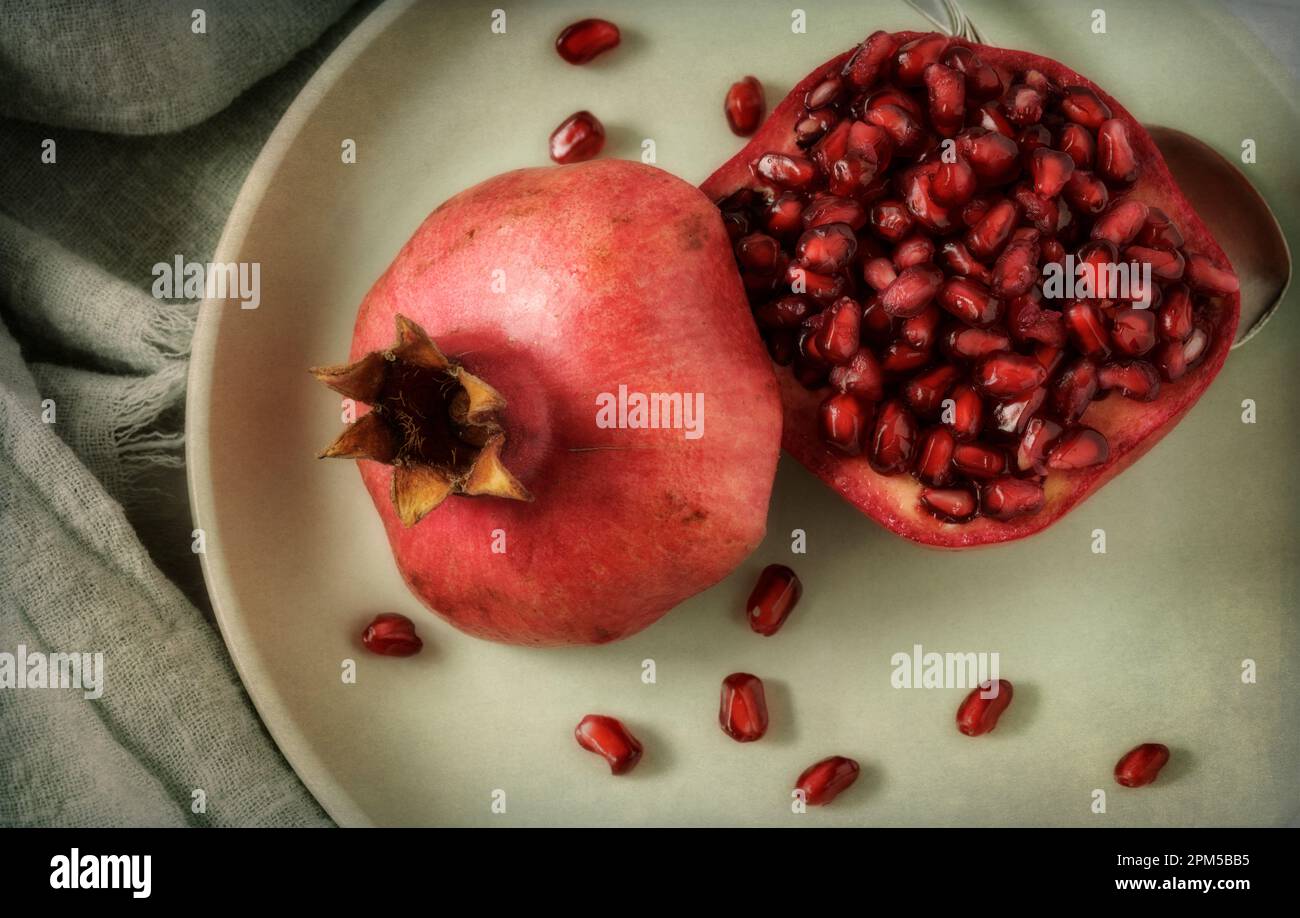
x: 154, y: 127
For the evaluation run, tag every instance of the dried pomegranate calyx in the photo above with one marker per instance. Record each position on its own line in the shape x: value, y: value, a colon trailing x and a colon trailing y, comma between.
x: 436, y: 423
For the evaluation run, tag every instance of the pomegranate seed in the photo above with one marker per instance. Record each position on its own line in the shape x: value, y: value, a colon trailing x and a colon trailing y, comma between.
x: 758, y: 252
x: 785, y: 170
x: 892, y: 95
x: 953, y: 183
x: 608, y: 738
x: 870, y: 60
x: 1039, y: 81
x: 1135, y: 379
x: 843, y: 420
x: 975, y: 343
x: 743, y: 709
x: 832, y: 146
x: 1007, y: 498
x: 979, y: 715
x: 1053, y: 252
x: 1012, y: 416
x: 921, y: 204
x: 1175, y: 316
x: 861, y: 377
x: 986, y: 238
x: 1078, y: 448
x: 1076, y: 142
x: 785, y: 215
x: 1051, y: 169
x: 914, y: 250
x: 1083, y: 320
x: 1029, y: 322
x: 824, y: 288
x: 924, y: 393
x: 853, y: 174
x: 982, y: 81
x: 1166, y: 264
x: 773, y: 598
x: 955, y: 505
x: 785, y: 312
x: 1023, y: 105
x: 1160, y: 232
x: 918, y: 331
x: 915, y: 56
x: 934, y: 458
x: 1140, y: 766
x: 911, y: 291
x: 579, y: 137
x: 823, y: 782
x: 1116, y: 161
x: 814, y: 125
x: 1134, y: 330
x: 901, y: 359
x: 974, y: 460
x: 1074, y: 390
x: 1095, y: 265
x: 838, y: 338
x: 825, y: 93
x: 994, y: 157
x: 1032, y: 138
x: 1082, y: 106
x: 992, y: 119
x: 1171, y: 361
x: 825, y: 209
x: 1043, y: 213
x: 960, y: 261
x: 877, y: 325
x: 879, y: 273
x: 1086, y: 193
x: 391, y: 635
x: 1009, y: 375
x: 894, y: 439
x: 826, y: 249
x: 1039, y: 435
x: 1197, y: 344
x: 810, y: 331
x: 904, y: 130
x: 1016, y: 269
x: 1204, y: 276
x: 581, y: 42
x: 967, y: 412
x: 744, y: 106
x: 1121, y: 222
x: 891, y: 220
x: 946, y: 90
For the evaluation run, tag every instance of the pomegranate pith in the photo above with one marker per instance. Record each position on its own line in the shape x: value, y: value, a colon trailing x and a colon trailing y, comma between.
x: 1046, y: 169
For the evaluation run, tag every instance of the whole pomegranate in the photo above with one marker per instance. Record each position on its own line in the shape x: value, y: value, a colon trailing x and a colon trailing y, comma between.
x: 898, y: 220
x: 573, y: 425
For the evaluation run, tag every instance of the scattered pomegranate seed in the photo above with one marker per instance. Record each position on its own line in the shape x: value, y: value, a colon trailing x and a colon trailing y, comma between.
x: 579, y: 137
x: 1141, y: 765
x: 391, y: 635
x: 745, y: 106
x: 824, y: 781
x: 608, y: 738
x: 581, y: 42
x: 743, y: 711
x: 979, y: 715
x: 773, y: 598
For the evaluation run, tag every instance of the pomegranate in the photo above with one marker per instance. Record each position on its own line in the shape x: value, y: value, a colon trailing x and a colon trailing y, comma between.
x: 979, y: 714
x: 1049, y: 392
x: 579, y: 137
x: 392, y: 635
x: 1141, y: 765
x: 608, y: 738
x: 823, y: 781
x: 520, y: 502
x: 743, y: 709
x: 583, y: 41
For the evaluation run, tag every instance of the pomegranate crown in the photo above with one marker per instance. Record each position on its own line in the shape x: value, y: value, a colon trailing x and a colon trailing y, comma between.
x: 434, y: 422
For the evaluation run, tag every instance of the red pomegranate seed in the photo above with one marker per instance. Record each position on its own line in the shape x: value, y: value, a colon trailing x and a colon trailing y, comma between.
x: 892, y: 95
x: 1171, y: 361
x: 974, y: 343
x: 1204, y: 276
x: 1074, y: 390
x: 922, y: 205
x: 1009, y: 375
x: 1121, y: 222
x: 979, y: 715
x: 918, y: 54
x: 903, y: 129
x: 1023, y: 105
x: 1116, y: 161
x: 861, y: 377
x: 1135, y: 379
x: 960, y: 261
x: 982, y: 81
x: 1134, y: 330
x: 744, y: 106
x: 1078, y: 448
x: 991, y: 119
x: 757, y: 252
x: 919, y: 330
x: 838, y: 339
x: 1043, y: 213
x: 1033, y: 138
x: 1076, y: 142
x: 870, y: 60
x: 946, y: 90
x: 901, y: 359
x: 1160, y: 232
x: 814, y: 125
x: 1039, y: 435
x: 1012, y: 416
x: 828, y: 208
x: 914, y: 250
x: 742, y: 712
x: 784, y: 312
x: 1051, y: 169
x: 579, y: 137
x: 967, y: 412
x: 912, y: 291
x: 925, y: 393
x: 785, y: 215
x: 953, y: 183
x: 969, y: 301
x: 1086, y: 193
x: 1028, y: 321
x: 891, y: 220
x: 986, y: 238
x: 934, y: 458
x: 1016, y: 269
x: 843, y: 420
x: 1166, y: 264
x: 584, y: 40
x: 1007, y: 498
x: 1174, y: 319
x: 977, y: 461
x: 853, y: 174
x: 1197, y: 344
x: 832, y: 146
x: 773, y: 598
x: 1081, y: 105
x: 877, y: 325
x: 894, y: 439
x: 810, y: 331
x: 825, y: 288
x: 823, y: 782
x: 1083, y: 320
x: 1141, y: 765
x: 391, y: 635
x: 827, y: 248
x: 825, y: 93
x: 1053, y: 252
x: 956, y: 505
x: 879, y: 273
x: 609, y: 739
x: 785, y: 170
x: 994, y: 157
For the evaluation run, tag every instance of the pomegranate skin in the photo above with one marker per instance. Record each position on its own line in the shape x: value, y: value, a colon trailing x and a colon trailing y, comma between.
x: 1131, y: 428
x: 615, y: 273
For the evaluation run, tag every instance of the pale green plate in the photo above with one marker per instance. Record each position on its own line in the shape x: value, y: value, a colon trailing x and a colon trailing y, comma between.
x: 1144, y: 642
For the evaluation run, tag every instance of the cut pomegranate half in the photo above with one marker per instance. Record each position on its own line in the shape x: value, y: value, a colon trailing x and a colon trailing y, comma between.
x: 1045, y: 168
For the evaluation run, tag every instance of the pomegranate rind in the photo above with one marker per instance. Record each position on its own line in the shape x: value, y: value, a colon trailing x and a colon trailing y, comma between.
x: 1131, y: 428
